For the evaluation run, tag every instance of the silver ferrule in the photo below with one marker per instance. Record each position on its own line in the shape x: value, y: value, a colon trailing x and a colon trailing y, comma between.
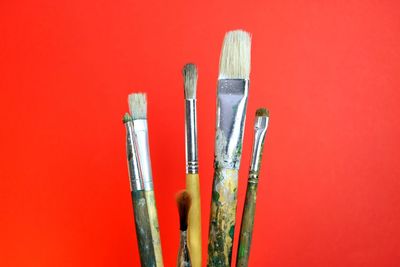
x: 192, y: 164
x: 231, y: 116
x: 135, y: 178
x: 260, y: 130
x: 142, y: 143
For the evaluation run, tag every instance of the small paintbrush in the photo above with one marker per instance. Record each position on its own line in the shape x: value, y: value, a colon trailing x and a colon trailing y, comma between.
x: 246, y: 228
x: 183, y: 201
x: 142, y: 223
x: 192, y: 176
x: 138, y: 108
x: 233, y: 85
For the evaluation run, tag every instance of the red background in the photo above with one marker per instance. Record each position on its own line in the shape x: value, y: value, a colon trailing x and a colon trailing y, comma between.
x: 329, y: 71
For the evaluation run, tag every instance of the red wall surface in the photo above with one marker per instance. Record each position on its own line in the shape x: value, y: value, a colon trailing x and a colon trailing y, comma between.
x: 329, y: 71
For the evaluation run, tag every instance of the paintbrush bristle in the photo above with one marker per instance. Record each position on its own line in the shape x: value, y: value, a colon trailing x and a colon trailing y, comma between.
x: 126, y: 118
x: 138, y: 106
x: 183, y: 201
x: 235, y: 56
x: 190, y: 80
x: 262, y: 112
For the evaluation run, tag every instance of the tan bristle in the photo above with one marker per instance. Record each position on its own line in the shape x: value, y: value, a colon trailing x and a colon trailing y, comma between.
x: 183, y: 201
x: 262, y: 112
x: 138, y: 105
x: 235, y: 56
x: 190, y: 80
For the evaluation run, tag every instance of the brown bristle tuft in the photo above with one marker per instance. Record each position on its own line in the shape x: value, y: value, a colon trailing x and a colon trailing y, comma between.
x: 183, y: 201
x: 262, y: 112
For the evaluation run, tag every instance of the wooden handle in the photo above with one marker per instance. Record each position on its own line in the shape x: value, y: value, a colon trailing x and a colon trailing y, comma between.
x: 246, y: 228
x: 194, y: 220
x: 222, y: 217
x: 155, y: 232
x: 143, y: 230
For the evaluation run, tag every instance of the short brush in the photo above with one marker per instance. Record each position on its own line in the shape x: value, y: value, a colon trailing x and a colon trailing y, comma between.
x: 138, y: 109
x: 233, y: 85
x: 192, y: 176
x: 246, y: 229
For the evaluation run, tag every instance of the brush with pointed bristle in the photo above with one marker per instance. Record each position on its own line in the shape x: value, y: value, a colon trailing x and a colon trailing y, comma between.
x: 183, y: 201
x: 235, y: 56
x: 138, y: 106
x: 190, y: 80
x: 247, y: 225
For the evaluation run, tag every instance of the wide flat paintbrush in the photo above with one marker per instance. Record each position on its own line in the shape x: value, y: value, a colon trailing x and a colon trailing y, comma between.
x: 138, y: 109
x: 142, y: 223
x: 233, y: 84
x: 246, y: 228
x: 183, y: 201
x: 192, y: 176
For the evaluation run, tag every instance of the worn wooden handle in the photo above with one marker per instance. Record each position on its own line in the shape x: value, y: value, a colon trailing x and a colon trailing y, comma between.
x: 143, y: 230
x: 155, y: 231
x: 222, y: 217
x: 194, y: 220
x: 246, y: 228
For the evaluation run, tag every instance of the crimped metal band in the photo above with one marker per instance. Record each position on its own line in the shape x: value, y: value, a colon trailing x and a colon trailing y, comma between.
x: 142, y: 144
x: 231, y: 117
x: 253, y: 177
x: 260, y: 130
x: 192, y: 165
x: 135, y: 178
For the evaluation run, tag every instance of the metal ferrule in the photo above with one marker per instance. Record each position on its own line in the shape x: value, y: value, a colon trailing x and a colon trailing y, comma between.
x: 132, y: 156
x: 260, y: 130
x: 142, y: 143
x: 192, y: 164
x: 231, y: 116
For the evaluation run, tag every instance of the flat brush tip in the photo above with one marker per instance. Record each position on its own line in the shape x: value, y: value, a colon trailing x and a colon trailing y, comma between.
x: 190, y: 80
x: 262, y: 112
x: 138, y: 105
x: 235, y: 55
x: 183, y: 201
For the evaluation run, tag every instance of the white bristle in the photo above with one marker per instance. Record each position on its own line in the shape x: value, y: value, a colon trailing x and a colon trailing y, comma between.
x: 235, y: 56
x: 190, y: 80
x: 138, y: 105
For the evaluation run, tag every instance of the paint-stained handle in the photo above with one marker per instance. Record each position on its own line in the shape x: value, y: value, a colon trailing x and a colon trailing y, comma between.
x: 222, y: 217
x: 143, y: 230
x: 194, y: 220
x: 183, y: 252
x: 155, y: 231
x: 246, y: 228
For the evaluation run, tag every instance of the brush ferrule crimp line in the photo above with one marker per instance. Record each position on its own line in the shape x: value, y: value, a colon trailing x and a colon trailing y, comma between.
x: 260, y: 130
x: 192, y: 165
x: 253, y: 177
x: 135, y: 179
x: 231, y: 116
x: 142, y: 144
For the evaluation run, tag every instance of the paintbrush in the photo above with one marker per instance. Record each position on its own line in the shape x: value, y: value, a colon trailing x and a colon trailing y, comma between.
x: 192, y: 176
x: 183, y: 201
x: 233, y: 85
x: 138, y: 108
x: 246, y: 228
x: 142, y: 223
